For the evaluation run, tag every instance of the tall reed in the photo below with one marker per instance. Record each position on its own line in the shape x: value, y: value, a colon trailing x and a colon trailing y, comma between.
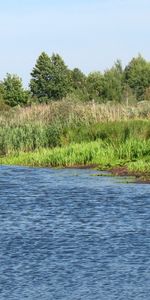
x: 63, y: 123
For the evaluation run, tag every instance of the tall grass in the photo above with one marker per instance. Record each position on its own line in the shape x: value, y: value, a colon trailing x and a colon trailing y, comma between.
x: 73, y: 113
x: 98, y: 152
x: 65, y: 134
x: 29, y: 137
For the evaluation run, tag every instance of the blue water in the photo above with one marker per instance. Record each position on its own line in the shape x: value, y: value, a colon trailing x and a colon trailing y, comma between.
x: 66, y: 234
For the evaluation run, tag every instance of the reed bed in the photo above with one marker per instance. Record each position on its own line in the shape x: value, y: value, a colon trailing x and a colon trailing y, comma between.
x: 66, y: 134
x: 30, y: 137
x: 68, y: 112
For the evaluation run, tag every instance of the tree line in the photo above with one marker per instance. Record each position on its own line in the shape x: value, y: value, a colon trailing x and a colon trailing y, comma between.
x: 52, y: 80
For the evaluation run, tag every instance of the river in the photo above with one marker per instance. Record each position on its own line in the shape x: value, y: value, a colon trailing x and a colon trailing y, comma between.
x: 68, y: 234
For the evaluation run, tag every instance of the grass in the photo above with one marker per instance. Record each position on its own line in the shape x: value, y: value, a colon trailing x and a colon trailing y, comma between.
x: 65, y: 134
x: 74, y: 154
x: 33, y: 136
x: 133, y: 154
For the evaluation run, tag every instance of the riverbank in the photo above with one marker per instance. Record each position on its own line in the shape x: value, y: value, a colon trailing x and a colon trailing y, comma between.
x: 64, y: 123
x: 112, y: 137
x: 129, y: 158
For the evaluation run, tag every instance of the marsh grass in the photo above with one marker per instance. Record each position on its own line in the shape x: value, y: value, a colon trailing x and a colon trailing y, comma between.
x: 31, y: 136
x: 69, y: 113
x: 74, y: 154
x: 133, y: 153
x: 67, y: 134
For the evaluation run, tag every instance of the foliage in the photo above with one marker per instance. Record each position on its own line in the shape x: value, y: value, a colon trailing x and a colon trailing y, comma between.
x: 147, y: 94
x: 137, y: 76
x: 107, y: 86
x: 40, y: 76
x: 65, y: 134
x: 50, y: 78
x: 13, y: 91
x: 61, y: 123
x: 133, y: 153
x: 113, y: 83
x: 78, y: 79
x: 95, y: 86
x: 78, y: 86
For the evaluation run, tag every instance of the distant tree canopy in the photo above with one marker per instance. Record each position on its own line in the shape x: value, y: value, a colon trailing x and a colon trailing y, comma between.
x: 12, y: 91
x: 52, y: 80
x: 78, y: 85
x: 137, y: 76
x: 95, y: 86
x: 113, y: 83
x: 78, y: 79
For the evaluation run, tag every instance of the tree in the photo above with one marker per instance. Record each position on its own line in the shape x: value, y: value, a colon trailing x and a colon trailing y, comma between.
x: 78, y: 79
x: 2, y: 102
x: 147, y: 94
x: 107, y: 86
x: 13, y: 91
x: 137, y: 76
x: 78, y: 84
x: 113, y: 83
x: 95, y: 86
x: 50, y: 78
x: 1, y: 91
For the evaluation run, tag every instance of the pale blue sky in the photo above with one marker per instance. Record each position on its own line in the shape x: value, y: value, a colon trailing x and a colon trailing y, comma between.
x: 88, y: 34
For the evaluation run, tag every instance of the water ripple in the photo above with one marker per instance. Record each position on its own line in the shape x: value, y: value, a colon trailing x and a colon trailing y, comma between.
x: 65, y: 234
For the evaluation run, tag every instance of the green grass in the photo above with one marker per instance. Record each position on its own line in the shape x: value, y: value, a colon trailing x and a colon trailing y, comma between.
x: 63, y: 134
x: 74, y: 154
x: 33, y: 136
x: 132, y: 153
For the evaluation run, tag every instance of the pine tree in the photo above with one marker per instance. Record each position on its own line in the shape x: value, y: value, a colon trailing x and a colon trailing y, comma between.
x: 50, y: 78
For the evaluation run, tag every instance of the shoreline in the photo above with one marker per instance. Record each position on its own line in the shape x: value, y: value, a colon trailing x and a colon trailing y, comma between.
x: 118, y: 171
x: 129, y: 158
x: 140, y: 177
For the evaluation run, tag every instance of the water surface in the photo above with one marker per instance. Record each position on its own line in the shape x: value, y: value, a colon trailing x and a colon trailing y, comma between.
x: 66, y: 234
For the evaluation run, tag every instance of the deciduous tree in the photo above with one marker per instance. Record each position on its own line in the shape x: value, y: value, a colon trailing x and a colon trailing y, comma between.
x: 137, y: 76
x: 13, y: 92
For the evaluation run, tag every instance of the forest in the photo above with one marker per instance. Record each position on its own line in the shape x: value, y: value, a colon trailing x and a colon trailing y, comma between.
x: 52, y: 80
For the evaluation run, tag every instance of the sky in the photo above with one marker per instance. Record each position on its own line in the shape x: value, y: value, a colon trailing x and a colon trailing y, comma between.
x: 88, y: 34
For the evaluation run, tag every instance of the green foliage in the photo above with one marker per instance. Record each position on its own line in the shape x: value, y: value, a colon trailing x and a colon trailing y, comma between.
x: 137, y: 76
x: 27, y: 135
x: 50, y: 78
x: 3, y: 105
x: 78, y: 86
x: 147, y: 94
x: 95, y: 86
x: 13, y: 91
x: 78, y: 79
x: 133, y: 154
x: 40, y: 77
x: 65, y: 136
x: 113, y: 83
x: 108, y: 86
x: 74, y: 154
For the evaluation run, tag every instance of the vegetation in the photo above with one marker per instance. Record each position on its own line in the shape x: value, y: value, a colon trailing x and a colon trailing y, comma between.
x: 68, y: 134
x: 133, y: 154
x: 62, y: 123
x: 52, y: 80
x: 137, y: 76
x: 68, y: 118
x: 12, y: 92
